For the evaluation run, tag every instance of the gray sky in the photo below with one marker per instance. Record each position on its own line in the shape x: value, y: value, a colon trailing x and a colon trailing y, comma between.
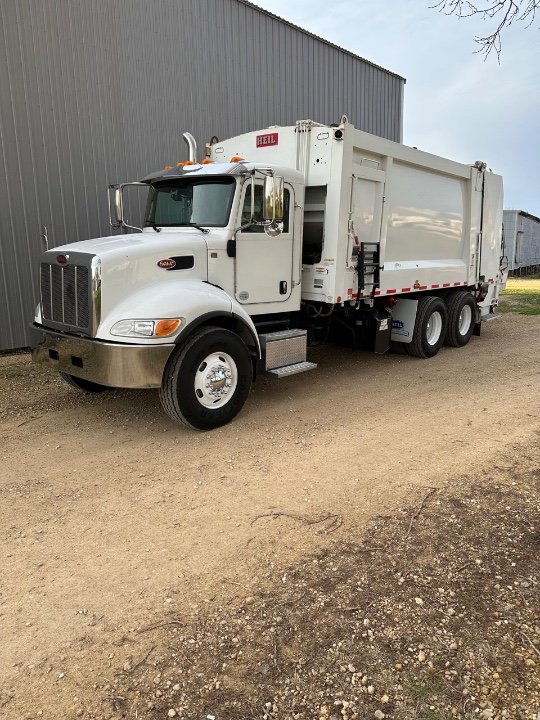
x: 456, y: 105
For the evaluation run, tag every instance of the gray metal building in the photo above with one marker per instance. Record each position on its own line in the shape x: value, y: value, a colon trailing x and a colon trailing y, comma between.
x: 522, y: 242
x: 99, y: 91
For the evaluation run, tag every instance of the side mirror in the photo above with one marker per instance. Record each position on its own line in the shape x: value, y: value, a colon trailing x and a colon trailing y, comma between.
x: 273, y: 199
x: 118, y: 206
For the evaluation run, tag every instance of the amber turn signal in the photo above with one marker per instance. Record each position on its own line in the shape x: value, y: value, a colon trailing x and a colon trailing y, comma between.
x: 166, y: 327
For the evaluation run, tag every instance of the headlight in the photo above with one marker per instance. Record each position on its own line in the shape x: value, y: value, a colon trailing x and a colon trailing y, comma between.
x: 146, y: 328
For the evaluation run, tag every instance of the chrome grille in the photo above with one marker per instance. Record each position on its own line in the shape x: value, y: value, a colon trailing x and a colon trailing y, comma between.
x: 65, y: 294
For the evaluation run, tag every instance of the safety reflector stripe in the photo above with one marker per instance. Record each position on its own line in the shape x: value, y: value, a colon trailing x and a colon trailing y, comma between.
x: 396, y: 291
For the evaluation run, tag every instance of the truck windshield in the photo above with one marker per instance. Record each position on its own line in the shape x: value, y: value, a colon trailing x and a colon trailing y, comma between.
x: 190, y: 201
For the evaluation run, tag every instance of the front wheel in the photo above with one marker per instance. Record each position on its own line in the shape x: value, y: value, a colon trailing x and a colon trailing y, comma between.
x: 461, y: 318
x: 429, y: 327
x: 206, y: 382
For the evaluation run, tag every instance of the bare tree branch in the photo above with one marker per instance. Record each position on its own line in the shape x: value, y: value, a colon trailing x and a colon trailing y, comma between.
x: 503, y: 11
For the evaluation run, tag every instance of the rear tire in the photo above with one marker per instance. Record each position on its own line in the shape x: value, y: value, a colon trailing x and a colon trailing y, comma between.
x: 461, y: 319
x: 207, y: 381
x: 82, y: 384
x: 429, y: 327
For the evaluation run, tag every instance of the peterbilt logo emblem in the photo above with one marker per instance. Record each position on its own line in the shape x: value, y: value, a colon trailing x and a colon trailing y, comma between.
x: 267, y: 139
x: 62, y: 259
x: 167, y: 264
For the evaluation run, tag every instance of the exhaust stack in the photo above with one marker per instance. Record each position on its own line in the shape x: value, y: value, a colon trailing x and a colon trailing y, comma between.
x: 192, y: 146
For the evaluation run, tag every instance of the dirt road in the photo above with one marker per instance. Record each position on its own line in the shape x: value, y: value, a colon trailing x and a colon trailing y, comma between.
x: 112, y: 518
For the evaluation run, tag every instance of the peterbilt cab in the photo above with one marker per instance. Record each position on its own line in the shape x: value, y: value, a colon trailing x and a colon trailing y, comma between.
x: 170, y: 306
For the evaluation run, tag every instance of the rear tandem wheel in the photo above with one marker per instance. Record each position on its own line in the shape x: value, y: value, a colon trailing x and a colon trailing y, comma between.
x: 461, y: 308
x: 429, y: 327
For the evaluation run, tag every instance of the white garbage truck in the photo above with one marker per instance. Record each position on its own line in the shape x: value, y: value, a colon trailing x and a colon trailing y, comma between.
x: 279, y: 239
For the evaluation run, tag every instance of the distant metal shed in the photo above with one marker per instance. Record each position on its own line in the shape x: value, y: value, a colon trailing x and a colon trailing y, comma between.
x: 100, y: 91
x: 522, y: 242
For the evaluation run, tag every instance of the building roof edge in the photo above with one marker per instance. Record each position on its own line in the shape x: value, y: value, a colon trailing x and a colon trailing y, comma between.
x: 523, y: 213
x: 317, y: 37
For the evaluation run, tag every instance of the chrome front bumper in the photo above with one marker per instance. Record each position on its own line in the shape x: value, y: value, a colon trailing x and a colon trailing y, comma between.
x: 112, y: 364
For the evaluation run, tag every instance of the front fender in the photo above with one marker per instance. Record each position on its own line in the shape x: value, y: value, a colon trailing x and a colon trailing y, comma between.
x: 239, y: 313
x: 236, y: 319
x: 188, y: 299
x: 196, y: 301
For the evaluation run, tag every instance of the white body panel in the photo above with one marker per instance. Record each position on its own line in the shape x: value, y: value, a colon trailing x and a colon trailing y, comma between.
x: 423, y: 212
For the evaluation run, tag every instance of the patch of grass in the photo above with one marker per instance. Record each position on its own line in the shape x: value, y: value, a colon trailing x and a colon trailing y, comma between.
x: 522, y: 295
x: 23, y: 370
x: 423, y: 688
x: 431, y: 715
x: 473, y: 603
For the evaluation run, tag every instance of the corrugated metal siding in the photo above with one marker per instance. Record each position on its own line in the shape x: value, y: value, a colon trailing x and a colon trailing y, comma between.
x: 528, y: 256
x: 98, y: 91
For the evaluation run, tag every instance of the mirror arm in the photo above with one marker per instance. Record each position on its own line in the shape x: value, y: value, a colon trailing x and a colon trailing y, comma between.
x: 120, y: 222
x: 252, y: 189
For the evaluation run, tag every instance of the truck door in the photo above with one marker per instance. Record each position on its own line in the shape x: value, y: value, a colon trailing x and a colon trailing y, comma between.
x: 263, y: 264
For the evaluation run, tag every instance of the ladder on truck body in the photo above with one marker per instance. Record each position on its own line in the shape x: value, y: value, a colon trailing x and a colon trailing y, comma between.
x: 367, y: 266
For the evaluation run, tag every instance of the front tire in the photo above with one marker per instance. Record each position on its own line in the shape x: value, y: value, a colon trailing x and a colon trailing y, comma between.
x: 82, y: 384
x: 461, y: 319
x: 207, y: 381
x: 429, y: 327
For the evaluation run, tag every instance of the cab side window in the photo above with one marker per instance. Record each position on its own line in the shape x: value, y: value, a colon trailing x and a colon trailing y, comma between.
x: 258, y: 227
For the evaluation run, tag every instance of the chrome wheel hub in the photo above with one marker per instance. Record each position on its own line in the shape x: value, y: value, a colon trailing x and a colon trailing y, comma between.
x: 434, y: 328
x: 215, y: 380
x: 465, y: 318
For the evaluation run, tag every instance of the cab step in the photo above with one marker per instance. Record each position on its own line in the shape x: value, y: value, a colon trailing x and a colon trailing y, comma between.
x: 490, y: 316
x: 293, y: 369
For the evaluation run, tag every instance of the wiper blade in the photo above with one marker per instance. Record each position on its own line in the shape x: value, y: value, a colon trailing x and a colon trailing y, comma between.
x: 153, y: 225
x: 198, y: 227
